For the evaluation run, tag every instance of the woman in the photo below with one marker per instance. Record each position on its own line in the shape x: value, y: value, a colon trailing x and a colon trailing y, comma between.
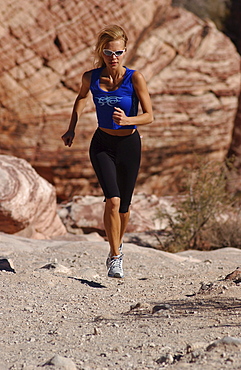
x: 115, y: 147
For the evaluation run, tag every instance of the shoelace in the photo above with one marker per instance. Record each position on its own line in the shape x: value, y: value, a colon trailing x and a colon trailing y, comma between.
x: 116, y: 261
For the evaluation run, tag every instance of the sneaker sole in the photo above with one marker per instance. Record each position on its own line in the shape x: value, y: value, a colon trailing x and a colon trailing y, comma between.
x: 116, y: 275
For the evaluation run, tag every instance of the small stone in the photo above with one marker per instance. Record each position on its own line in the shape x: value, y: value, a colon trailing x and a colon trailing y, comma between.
x: 97, y: 331
x: 170, y: 359
x: 235, y: 275
x: 195, y: 355
x: 161, y: 307
x: 161, y: 360
x: 208, y: 261
x: 191, y: 294
x: 206, y: 286
x: 56, y: 267
x: 166, y: 359
x: 135, y: 306
x: 61, y: 362
x: 224, y: 342
x: 140, y: 308
x: 6, y: 264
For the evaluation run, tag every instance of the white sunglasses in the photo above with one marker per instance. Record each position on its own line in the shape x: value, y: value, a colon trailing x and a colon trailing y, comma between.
x: 109, y: 53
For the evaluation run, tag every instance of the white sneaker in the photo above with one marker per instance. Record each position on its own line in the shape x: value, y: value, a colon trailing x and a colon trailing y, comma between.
x: 108, y: 260
x: 115, y: 267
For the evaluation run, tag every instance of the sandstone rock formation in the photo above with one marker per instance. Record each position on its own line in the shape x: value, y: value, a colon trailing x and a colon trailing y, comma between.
x: 193, y: 73
x: 27, y: 201
x: 84, y: 214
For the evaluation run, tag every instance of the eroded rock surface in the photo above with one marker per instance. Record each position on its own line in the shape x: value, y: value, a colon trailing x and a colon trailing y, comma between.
x: 85, y: 214
x: 27, y: 201
x: 192, y: 70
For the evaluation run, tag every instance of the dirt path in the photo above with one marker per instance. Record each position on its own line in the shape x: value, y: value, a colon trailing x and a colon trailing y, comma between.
x: 157, y: 316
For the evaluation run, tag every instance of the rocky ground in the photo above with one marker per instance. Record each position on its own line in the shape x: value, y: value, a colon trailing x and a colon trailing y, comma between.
x: 171, y: 310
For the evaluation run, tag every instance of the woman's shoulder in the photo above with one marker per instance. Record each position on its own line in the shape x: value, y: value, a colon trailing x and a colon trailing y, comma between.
x: 134, y: 73
x: 138, y: 80
x: 93, y: 73
x: 88, y: 75
x: 137, y: 76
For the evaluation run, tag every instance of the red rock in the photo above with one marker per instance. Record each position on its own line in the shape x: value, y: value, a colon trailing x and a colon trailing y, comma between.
x: 235, y: 275
x: 84, y: 214
x: 192, y: 70
x: 27, y: 201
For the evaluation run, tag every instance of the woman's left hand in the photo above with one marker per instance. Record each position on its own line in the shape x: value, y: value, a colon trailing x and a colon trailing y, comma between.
x: 119, y: 117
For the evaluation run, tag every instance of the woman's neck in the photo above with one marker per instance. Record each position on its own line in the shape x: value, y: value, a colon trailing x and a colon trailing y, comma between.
x: 114, y: 75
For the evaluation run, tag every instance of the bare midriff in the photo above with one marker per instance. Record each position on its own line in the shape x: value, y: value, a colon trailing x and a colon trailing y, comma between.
x: 120, y: 132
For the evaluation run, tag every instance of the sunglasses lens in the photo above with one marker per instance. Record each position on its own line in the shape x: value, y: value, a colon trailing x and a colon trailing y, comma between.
x: 119, y: 53
x: 108, y: 53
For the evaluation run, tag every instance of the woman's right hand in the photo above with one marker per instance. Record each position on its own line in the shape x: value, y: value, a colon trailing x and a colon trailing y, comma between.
x: 68, y: 138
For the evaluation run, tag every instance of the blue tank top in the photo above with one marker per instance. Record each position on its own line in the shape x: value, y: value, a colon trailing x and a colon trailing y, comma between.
x: 105, y: 101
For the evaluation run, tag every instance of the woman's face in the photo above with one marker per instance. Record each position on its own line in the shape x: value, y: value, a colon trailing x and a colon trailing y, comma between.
x: 114, y: 61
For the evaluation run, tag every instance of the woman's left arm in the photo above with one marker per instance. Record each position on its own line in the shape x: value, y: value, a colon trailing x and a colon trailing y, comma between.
x: 142, y: 93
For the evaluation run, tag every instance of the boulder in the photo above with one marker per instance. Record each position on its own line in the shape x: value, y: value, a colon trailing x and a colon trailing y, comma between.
x: 195, y: 99
x: 61, y: 363
x: 84, y: 214
x: 27, y: 201
x: 192, y: 71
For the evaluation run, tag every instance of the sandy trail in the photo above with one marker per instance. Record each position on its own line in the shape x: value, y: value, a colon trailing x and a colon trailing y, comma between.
x: 155, y: 317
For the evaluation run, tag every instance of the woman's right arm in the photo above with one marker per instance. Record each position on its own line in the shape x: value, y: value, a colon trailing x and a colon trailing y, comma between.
x: 78, y: 108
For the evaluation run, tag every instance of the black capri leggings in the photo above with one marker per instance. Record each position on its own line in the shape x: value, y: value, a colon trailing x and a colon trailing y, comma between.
x: 116, y: 161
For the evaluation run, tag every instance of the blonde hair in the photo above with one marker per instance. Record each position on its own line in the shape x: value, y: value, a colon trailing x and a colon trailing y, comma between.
x: 107, y: 34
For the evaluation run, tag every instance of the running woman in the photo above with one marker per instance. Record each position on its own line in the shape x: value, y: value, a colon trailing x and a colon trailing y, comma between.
x: 115, y: 148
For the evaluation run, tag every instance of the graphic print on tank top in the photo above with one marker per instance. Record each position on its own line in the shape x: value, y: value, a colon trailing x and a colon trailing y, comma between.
x: 109, y: 100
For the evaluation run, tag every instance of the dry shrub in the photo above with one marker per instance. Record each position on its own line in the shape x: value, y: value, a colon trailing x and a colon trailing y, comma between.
x: 226, y: 232
x: 198, y: 222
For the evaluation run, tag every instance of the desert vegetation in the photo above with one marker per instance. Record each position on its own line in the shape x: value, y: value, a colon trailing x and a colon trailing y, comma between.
x: 207, y: 216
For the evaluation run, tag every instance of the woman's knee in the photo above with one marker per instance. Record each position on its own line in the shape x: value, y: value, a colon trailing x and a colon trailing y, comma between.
x: 113, y: 204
